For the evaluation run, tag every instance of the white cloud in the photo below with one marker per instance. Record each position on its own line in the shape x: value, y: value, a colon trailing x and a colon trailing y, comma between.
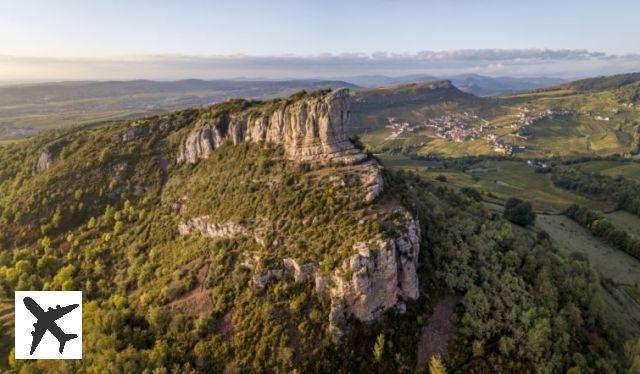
x: 515, y: 62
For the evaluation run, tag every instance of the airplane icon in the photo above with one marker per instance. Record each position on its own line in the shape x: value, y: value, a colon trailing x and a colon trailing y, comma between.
x: 46, y: 321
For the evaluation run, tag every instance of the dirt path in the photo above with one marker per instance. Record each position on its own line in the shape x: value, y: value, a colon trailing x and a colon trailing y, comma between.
x: 199, y: 300
x: 438, y: 331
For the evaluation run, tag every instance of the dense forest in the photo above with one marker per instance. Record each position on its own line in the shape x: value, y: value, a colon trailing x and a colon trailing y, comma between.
x: 624, y: 192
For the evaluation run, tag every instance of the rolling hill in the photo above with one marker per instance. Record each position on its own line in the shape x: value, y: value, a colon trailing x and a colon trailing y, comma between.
x: 472, y: 83
x: 592, y: 117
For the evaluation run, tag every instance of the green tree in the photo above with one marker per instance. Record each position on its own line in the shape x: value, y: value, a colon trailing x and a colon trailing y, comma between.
x: 436, y: 366
x: 519, y: 212
x: 378, y: 348
x: 632, y: 355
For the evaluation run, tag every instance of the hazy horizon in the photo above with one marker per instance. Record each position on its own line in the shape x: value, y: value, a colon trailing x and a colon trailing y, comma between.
x: 43, y: 41
x: 565, y: 64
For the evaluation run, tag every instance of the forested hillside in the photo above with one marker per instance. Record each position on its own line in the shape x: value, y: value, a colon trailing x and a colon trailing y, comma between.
x: 248, y: 260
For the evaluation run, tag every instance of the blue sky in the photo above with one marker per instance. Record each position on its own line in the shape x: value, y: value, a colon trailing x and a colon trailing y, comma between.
x: 118, y: 29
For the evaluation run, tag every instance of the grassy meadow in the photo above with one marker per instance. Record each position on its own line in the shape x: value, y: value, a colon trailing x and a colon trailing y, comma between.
x: 500, y: 180
x: 619, y: 272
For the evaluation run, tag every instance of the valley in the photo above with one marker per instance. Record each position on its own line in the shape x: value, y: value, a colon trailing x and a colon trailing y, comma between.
x: 498, y: 180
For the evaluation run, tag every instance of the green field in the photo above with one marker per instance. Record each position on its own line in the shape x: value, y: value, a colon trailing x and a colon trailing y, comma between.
x: 625, y: 221
x: 627, y: 169
x: 500, y: 180
x: 619, y: 289
x: 622, y: 269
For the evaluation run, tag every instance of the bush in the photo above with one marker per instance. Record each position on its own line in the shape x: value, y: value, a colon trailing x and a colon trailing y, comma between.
x: 519, y: 212
x: 472, y: 193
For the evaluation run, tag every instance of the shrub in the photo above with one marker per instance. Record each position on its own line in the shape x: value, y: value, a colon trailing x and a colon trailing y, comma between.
x: 472, y: 193
x: 519, y: 212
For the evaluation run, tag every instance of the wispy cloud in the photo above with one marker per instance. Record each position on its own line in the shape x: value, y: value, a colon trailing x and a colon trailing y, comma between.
x: 516, y: 62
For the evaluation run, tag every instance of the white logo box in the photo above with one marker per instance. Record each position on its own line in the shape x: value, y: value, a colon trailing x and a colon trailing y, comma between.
x: 67, y: 321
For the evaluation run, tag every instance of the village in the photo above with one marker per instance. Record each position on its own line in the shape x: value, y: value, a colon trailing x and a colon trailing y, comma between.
x: 398, y: 129
x: 456, y: 127
x: 500, y: 145
x: 528, y: 118
x: 468, y: 126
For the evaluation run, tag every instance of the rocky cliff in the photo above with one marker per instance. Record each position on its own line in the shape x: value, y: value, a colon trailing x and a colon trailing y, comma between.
x: 311, y: 129
x: 380, y: 274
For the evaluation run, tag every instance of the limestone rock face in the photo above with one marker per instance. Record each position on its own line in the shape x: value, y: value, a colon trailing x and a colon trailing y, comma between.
x: 261, y: 281
x: 47, y: 157
x: 198, y: 145
x: 380, y: 275
x: 212, y: 230
x: 383, y: 275
x: 301, y: 273
x: 311, y: 129
x: 206, y: 226
x: 132, y: 133
x: 372, y: 180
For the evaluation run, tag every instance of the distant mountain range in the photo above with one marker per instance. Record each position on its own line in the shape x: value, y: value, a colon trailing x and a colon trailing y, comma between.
x: 472, y: 83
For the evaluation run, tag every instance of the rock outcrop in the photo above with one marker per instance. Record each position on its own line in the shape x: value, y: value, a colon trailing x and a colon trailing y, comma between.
x: 300, y: 273
x: 311, y: 129
x: 371, y: 180
x: 133, y: 133
x: 205, y: 226
x: 380, y: 276
x: 47, y: 157
x: 261, y: 281
x: 212, y: 230
x: 198, y: 145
